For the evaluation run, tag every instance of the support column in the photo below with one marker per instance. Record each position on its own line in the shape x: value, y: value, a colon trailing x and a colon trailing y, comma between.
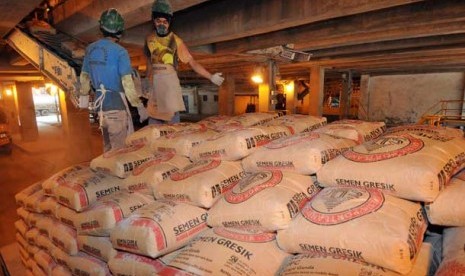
x: 364, y: 105
x: 263, y: 97
x: 27, y: 117
x: 10, y: 105
x: 315, y: 99
x: 226, y: 96
x: 463, y: 98
x: 78, y: 133
x: 344, y: 104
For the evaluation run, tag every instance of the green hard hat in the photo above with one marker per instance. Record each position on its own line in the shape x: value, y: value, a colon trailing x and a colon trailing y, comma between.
x: 162, y: 6
x: 111, y: 21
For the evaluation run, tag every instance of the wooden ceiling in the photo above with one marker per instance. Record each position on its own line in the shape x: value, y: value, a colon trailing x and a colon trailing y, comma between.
x: 364, y: 36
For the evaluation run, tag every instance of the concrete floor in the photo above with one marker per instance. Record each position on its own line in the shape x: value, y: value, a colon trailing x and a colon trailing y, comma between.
x: 31, y: 162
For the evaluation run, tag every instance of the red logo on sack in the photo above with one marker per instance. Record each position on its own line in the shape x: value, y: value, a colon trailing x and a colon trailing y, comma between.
x: 383, y: 148
x: 333, y: 205
x: 257, y: 183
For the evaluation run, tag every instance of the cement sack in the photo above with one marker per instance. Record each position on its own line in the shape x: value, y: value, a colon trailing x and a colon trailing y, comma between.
x: 44, y: 261
x: 83, y: 264
x: 358, y: 223
x: 154, y: 171
x: 228, y: 127
x: 235, y: 145
x: 23, y: 194
x: 102, y: 216
x: 64, y: 237
x: 79, y: 192
x: 33, y: 218
x: 29, y: 268
x: 298, y: 122
x: 60, y: 270
x: 29, y: 263
x: 453, y: 262
x: 23, y: 253
x: 44, y: 225
x: 67, y: 216
x: 49, y: 184
x: 303, y: 153
x: 60, y: 257
x: 31, y: 236
x: 37, y: 270
x: 413, y: 166
x: 150, y: 133
x: 23, y: 214
x: 320, y: 263
x: 427, y: 131
x: 213, y: 121
x: 98, y: 247
x: 182, y: 142
x: 219, y: 251
x: 263, y: 201
x: 22, y: 242
x: 31, y: 250
x: 357, y: 130
x: 253, y: 119
x: 32, y: 202
x: 159, y: 228
x: 132, y: 264
x: 121, y: 162
x: 21, y: 227
x: 200, y: 183
x: 49, y: 206
x: 44, y: 243
x: 448, y: 209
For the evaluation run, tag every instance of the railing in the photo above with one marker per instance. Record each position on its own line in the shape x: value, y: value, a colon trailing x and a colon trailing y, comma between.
x: 446, y: 112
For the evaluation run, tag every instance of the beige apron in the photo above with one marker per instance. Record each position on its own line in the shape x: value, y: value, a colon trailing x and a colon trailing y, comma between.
x: 166, y: 96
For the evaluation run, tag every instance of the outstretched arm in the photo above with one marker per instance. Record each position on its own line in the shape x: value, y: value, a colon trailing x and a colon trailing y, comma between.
x: 199, y: 69
x: 186, y: 57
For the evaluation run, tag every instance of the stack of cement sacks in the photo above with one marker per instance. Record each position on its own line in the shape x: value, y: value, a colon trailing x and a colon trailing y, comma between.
x: 255, y: 194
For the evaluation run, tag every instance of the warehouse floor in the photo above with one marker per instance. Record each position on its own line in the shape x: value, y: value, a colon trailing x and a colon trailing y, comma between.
x: 31, y: 162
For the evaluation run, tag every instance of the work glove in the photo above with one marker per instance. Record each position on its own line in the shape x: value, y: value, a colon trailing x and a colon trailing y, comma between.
x: 217, y: 79
x: 143, y: 114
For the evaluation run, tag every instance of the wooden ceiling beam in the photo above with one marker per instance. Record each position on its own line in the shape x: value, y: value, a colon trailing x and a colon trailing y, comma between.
x: 244, y: 18
x: 12, y: 12
x: 225, y: 20
x: 430, y: 18
x: 391, y: 46
x: 79, y: 18
x: 442, y: 58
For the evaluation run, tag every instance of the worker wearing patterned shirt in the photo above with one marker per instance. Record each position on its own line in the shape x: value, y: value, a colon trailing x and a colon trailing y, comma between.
x: 163, y: 50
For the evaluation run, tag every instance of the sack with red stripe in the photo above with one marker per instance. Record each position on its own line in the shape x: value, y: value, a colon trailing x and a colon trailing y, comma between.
x: 159, y: 228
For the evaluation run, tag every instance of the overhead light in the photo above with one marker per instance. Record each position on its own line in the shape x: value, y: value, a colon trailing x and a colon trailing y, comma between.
x: 257, y: 76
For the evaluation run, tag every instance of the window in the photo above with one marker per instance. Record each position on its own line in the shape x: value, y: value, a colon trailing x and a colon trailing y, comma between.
x: 204, y: 98
x: 215, y: 98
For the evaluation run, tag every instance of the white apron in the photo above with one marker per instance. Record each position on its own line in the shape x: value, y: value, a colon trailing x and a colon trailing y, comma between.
x: 166, y: 96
